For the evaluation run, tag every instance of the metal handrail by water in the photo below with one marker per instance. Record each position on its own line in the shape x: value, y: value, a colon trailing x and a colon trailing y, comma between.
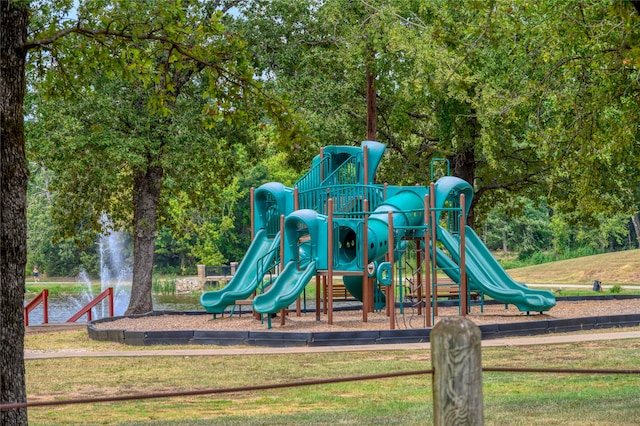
x: 108, y: 293
x: 42, y: 297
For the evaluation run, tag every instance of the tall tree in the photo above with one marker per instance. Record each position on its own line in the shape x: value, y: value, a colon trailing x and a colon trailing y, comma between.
x: 322, y: 56
x: 13, y: 220
x: 216, y: 229
x: 635, y: 219
x: 53, y: 256
x: 522, y: 98
x: 146, y: 44
x: 161, y: 108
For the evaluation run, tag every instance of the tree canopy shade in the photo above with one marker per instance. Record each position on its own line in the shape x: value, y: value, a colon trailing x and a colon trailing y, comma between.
x: 531, y: 98
x: 164, y: 99
x: 521, y: 97
x: 53, y: 256
x: 151, y: 54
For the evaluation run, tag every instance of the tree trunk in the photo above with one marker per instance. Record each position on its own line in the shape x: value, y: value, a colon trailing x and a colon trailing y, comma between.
x: 636, y: 226
x: 464, y: 167
x: 372, y: 123
x: 146, y: 195
x: 13, y: 203
x: 504, y: 241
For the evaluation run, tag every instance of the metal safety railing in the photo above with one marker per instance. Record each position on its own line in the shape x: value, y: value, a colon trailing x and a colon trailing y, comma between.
x: 348, y: 199
x: 86, y: 310
x: 315, y: 175
x: 41, y: 298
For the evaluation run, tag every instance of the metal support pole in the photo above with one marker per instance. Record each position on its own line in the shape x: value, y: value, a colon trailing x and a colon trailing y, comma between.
x: 317, y: 297
x: 281, y: 258
x: 324, y: 294
x: 365, y: 160
x: 427, y: 263
x: 281, y: 243
x: 321, y: 162
x: 330, y: 264
x: 391, y: 302
x: 365, y: 262
x: 296, y: 206
x: 464, y: 293
x: 434, y: 237
x: 418, y: 281
x: 253, y: 211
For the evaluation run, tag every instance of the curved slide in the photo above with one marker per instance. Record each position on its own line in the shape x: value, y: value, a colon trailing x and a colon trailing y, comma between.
x: 291, y: 281
x: 407, y: 208
x: 286, y: 288
x: 486, y: 274
x: 247, y: 277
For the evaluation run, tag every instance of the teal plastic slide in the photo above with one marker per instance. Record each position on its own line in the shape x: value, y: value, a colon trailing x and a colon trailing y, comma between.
x: 248, y: 276
x: 304, y: 240
x: 286, y: 288
x: 487, y: 275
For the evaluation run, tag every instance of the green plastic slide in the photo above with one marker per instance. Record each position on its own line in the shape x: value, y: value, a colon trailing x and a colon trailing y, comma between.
x: 248, y: 276
x: 286, y: 288
x: 487, y: 275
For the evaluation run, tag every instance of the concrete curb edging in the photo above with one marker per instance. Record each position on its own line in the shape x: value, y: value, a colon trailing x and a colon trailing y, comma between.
x: 340, y: 338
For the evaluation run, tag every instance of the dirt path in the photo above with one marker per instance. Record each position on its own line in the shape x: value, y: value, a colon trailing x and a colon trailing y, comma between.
x: 253, y: 350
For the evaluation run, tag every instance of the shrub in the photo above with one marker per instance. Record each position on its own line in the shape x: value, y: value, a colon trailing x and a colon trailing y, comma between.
x: 163, y: 285
x: 540, y: 257
x: 615, y: 289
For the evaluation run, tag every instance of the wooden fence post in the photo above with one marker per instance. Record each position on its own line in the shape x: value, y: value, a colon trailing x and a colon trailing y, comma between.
x: 457, y: 372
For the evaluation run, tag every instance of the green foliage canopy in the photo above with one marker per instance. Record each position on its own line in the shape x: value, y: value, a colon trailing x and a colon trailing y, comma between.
x: 529, y: 98
x: 141, y: 104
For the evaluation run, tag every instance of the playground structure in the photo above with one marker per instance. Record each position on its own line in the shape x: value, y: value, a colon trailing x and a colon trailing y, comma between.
x: 385, y: 241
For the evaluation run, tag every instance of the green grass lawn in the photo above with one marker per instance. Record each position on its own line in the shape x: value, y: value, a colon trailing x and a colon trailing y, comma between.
x: 621, y: 267
x: 58, y: 289
x: 509, y: 398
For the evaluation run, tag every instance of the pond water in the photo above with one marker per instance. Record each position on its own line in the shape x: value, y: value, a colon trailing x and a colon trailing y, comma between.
x: 115, y: 272
x: 64, y: 307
